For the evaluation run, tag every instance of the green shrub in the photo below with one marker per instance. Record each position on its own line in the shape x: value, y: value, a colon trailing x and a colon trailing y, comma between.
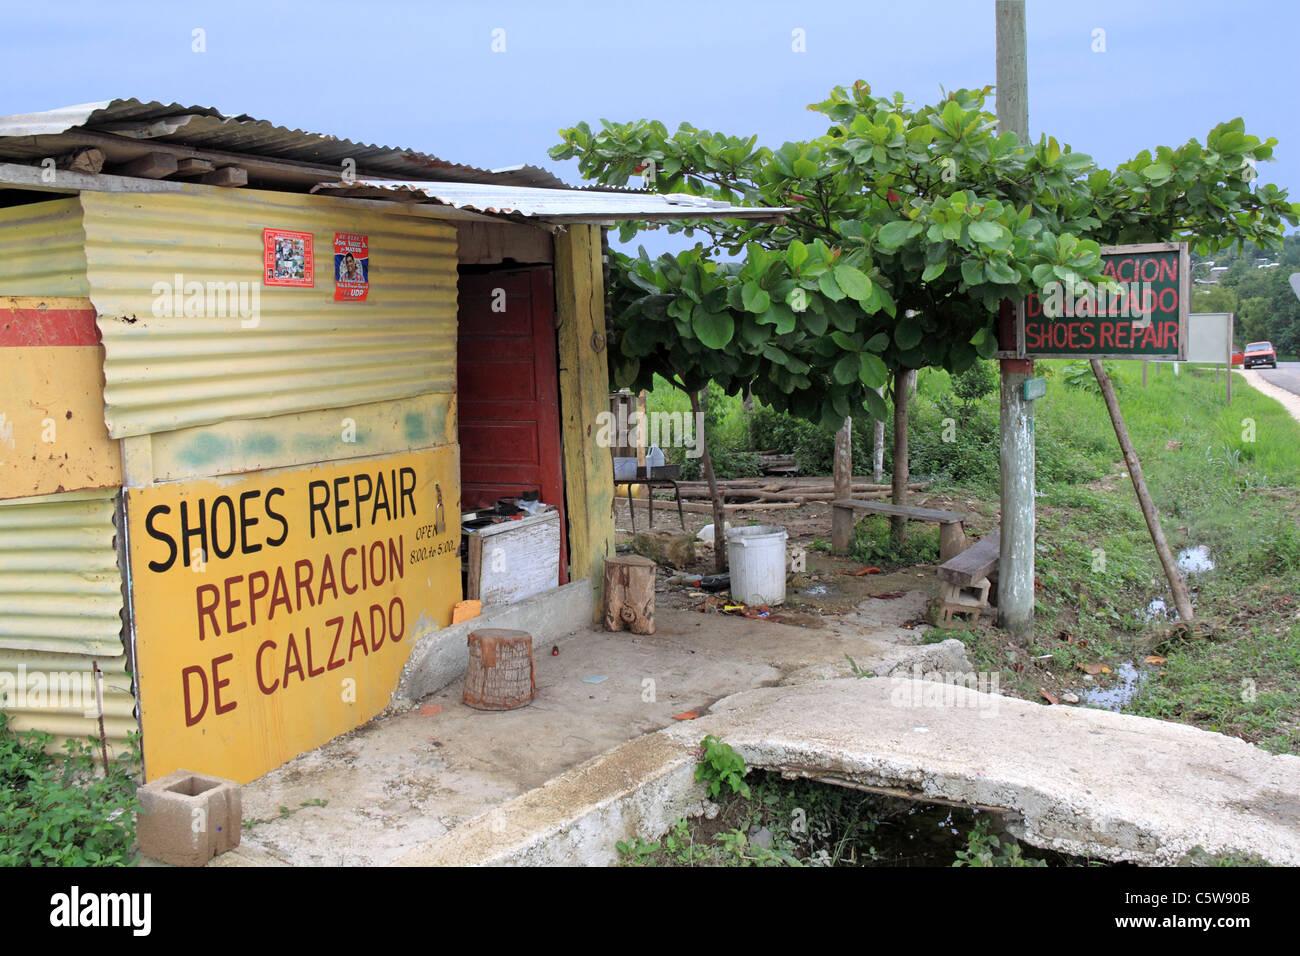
x: 873, y: 544
x: 58, y: 811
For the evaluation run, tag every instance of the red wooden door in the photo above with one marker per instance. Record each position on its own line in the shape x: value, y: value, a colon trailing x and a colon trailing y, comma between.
x: 507, y: 391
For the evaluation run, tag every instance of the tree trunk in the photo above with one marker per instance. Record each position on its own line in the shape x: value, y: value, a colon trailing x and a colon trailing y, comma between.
x: 902, y: 394
x: 715, y: 493
x: 630, y: 593
x: 842, y: 518
x: 878, y: 447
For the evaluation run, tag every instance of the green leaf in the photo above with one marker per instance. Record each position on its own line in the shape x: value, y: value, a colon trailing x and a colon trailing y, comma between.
x: 796, y: 254
x: 878, y: 342
x: 894, y: 234
x: 985, y: 232
x: 933, y: 271
x: 972, y: 272
x: 846, y: 369
x: 877, y: 407
x: 855, y: 283
x: 755, y: 300
x: 713, y: 329
x: 872, y: 371
x: 1001, y: 273
x: 829, y: 287
x: 907, y: 334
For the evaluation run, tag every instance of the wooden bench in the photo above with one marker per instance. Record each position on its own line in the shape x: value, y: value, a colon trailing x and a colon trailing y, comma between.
x: 952, y: 533
x: 964, y: 579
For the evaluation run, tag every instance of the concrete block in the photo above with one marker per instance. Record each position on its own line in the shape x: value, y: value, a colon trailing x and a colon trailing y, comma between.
x: 187, y: 818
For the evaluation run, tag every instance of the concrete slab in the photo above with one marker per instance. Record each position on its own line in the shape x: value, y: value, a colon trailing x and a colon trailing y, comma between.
x: 1085, y: 782
x: 413, y: 774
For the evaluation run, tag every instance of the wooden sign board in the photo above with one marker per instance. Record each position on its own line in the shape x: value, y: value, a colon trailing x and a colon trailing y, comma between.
x: 1145, y: 319
x: 510, y: 561
x: 275, y: 610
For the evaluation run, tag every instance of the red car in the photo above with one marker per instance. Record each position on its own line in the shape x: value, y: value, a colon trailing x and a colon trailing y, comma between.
x: 1260, y: 353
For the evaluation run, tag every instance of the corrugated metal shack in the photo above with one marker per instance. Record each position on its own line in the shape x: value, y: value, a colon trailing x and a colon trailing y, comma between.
x: 253, y: 377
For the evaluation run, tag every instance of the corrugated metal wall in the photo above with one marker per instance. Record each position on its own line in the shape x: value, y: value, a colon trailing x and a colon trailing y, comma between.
x: 60, y: 609
x: 307, y: 352
x: 41, y: 249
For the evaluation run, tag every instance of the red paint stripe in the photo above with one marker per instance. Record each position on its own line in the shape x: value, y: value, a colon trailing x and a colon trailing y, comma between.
x: 31, y: 327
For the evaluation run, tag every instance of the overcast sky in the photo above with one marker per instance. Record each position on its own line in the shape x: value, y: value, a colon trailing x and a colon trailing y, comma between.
x: 424, y: 75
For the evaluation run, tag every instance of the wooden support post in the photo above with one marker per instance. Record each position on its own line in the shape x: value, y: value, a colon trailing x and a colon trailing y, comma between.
x: 842, y: 518
x: 193, y: 166
x: 1016, y: 429
x: 1145, y: 363
x: 151, y: 166
x: 630, y: 594
x: 584, y: 394
x: 230, y: 176
x: 952, y: 540
x: 86, y: 161
x: 1182, y: 600
x: 903, y: 382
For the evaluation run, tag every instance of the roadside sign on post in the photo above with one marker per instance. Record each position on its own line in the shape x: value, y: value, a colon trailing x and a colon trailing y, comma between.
x: 1145, y: 317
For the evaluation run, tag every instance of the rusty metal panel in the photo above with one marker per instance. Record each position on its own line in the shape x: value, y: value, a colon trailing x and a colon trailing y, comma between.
x: 302, y: 351
x: 55, y: 693
x: 60, y: 588
x: 31, y: 137
x: 41, y: 249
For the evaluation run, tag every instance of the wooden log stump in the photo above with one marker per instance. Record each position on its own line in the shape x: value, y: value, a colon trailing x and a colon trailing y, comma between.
x: 630, y: 594
x: 500, y: 671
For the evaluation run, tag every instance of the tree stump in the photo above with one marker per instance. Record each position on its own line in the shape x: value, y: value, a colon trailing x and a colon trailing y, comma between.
x: 500, y: 671
x: 630, y: 594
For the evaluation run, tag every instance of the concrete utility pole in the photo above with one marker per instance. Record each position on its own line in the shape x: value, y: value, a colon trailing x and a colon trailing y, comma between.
x: 1016, y: 447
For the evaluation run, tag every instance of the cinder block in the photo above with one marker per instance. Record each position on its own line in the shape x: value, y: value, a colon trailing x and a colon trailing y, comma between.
x: 187, y: 818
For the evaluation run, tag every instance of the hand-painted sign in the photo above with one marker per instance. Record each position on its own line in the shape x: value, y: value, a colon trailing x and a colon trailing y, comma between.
x: 351, y: 267
x: 275, y: 611
x: 1141, y: 314
x: 287, y: 258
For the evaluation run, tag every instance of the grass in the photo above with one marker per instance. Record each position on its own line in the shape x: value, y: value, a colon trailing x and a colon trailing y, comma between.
x: 1223, y: 477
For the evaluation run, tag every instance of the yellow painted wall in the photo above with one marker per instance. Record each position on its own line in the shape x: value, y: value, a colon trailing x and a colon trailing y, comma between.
x: 60, y: 610
x: 52, y: 434
x: 248, y: 659
x: 41, y: 249
x: 302, y: 351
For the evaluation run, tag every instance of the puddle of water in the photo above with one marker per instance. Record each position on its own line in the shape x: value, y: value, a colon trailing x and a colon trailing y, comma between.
x: 816, y: 589
x: 1195, y: 560
x: 1156, y: 610
x: 1119, y: 693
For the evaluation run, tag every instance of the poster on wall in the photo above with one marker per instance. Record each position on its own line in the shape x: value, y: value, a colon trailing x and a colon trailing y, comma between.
x: 287, y: 258
x: 275, y: 610
x: 351, y: 267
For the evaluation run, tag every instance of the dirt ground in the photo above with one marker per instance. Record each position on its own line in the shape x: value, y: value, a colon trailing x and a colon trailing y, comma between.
x: 830, y: 586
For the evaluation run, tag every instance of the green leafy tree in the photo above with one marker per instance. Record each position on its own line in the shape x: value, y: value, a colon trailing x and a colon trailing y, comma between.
x: 907, y: 228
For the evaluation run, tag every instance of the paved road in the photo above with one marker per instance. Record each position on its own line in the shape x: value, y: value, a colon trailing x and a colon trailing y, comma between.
x: 1286, y: 375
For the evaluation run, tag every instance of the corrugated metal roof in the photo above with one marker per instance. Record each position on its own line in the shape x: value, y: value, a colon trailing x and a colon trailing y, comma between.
x: 304, y: 352
x: 553, y: 205
x: 33, y: 136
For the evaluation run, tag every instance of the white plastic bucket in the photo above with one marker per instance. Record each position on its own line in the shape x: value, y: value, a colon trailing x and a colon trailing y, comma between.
x: 757, y: 558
